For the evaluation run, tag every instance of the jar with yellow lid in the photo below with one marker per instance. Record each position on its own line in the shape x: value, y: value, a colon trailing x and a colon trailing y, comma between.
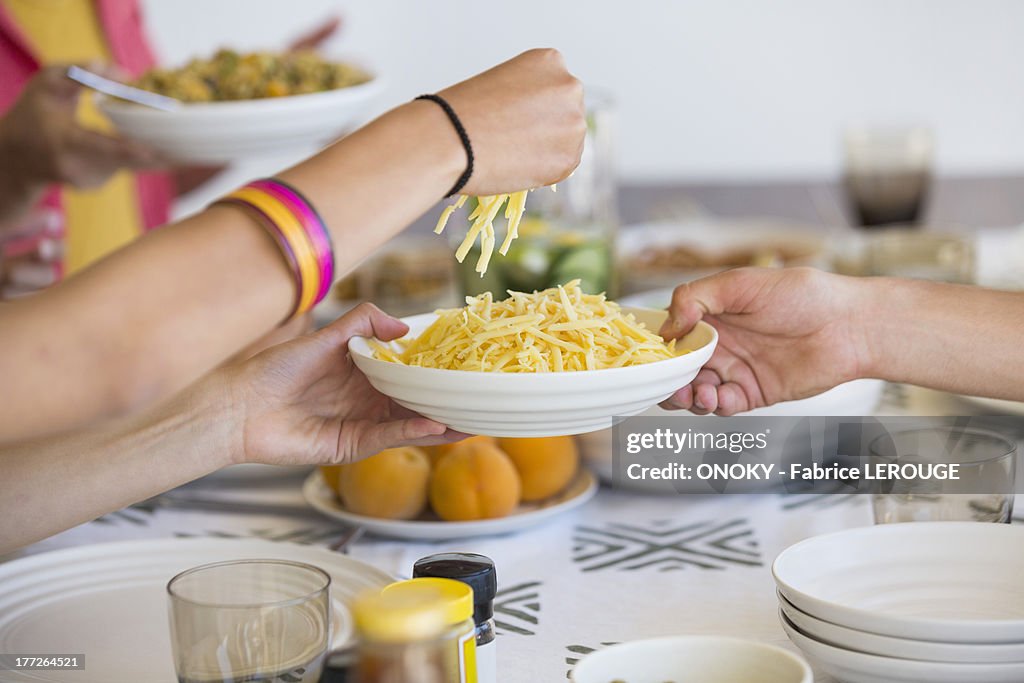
x: 457, y: 597
x: 402, y: 637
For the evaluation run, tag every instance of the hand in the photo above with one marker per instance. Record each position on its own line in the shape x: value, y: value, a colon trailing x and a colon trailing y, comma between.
x: 526, y: 121
x: 316, y: 37
x: 304, y: 402
x: 42, y: 143
x: 782, y: 335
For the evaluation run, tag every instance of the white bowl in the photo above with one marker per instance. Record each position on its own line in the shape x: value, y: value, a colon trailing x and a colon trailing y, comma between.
x: 535, y: 404
x: 857, y: 667
x: 939, y: 581
x: 222, y: 132
x: 901, y: 648
x: 703, y: 659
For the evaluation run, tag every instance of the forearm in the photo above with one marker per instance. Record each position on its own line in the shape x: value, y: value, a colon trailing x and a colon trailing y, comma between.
x: 151, y: 318
x: 954, y: 338
x: 54, y: 484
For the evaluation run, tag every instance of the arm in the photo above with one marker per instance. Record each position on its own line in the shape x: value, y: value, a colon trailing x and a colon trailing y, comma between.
x: 789, y: 334
x: 302, y: 402
x: 151, y: 318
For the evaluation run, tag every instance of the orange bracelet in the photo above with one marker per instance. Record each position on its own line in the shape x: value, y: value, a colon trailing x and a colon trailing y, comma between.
x: 295, y: 234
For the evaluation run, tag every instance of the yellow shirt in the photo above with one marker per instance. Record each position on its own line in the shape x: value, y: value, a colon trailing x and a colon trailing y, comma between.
x: 101, y: 220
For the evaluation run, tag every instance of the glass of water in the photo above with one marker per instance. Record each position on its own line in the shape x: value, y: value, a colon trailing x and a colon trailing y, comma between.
x: 250, y: 620
x: 982, y: 492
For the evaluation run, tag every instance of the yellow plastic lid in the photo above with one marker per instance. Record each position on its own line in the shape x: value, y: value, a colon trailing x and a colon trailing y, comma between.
x: 456, y: 596
x: 400, y: 617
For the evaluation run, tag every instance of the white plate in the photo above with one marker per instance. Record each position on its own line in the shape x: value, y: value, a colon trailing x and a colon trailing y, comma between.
x: 535, y: 404
x: 707, y: 659
x: 945, y: 581
x: 222, y: 132
x: 857, y: 667
x: 996, y: 406
x: 255, y: 472
x: 578, y: 492
x: 712, y: 237
x: 902, y: 648
x: 109, y: 601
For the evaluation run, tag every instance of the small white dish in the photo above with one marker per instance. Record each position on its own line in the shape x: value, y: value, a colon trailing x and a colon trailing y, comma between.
x: 223, y: 132
x: 939, y: 581
x: 703, y: 659
x: 857, y: 667
x: 579, y: 491
x: 535, y: 404
x: 902, y: 648
x: 109, y: 601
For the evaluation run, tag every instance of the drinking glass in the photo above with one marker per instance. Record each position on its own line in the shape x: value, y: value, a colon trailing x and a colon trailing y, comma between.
x: 250, y: 620
x: 983, y: 492
x: 888, y: 172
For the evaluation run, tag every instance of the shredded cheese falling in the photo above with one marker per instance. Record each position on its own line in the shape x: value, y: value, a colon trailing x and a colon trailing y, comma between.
x: 482, y: 224
x: 556, y: 330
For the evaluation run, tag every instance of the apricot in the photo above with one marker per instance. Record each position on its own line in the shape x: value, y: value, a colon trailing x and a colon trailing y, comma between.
x: 446, y: 448
x: 474, y: 480
x: 392, y: 484
x: 331, y: 473
x: 545, y: 465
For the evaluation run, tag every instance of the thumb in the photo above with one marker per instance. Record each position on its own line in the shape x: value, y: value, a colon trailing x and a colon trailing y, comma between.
x: 726, y: 292
x: 365, y: 320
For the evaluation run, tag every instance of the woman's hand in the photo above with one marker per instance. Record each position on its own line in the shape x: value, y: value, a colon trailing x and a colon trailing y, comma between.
x: 305, y: 402
x: 526, y: 121
x: 782, y: 335
x: 44, y: 142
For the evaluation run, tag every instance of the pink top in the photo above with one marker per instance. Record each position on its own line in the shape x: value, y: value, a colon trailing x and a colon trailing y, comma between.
x: 122, y: 27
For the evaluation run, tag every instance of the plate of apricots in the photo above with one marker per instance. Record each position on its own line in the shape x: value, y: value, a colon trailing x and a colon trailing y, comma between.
x: 480, y: 486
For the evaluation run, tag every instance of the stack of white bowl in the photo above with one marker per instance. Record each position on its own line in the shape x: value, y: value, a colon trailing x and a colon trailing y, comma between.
x: 935, y: 602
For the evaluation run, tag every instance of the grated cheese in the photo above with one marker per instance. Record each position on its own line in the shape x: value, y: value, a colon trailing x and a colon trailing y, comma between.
x: 556, y: 330
x: 482, y: 224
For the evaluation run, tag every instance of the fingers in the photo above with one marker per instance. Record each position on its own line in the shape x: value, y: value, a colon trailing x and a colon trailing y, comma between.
x: 684, y: 399
x: 88, y: 158
x: 406, y: 432
x: 365, y: 320
x: 118, y: 152
x: 316, y: 37
x: 53, y: 80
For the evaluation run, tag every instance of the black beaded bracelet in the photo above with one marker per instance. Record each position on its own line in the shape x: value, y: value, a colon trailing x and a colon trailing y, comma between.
x: 463, y: 135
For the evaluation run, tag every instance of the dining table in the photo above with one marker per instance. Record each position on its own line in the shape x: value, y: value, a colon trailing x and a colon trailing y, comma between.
x: 624, y: 566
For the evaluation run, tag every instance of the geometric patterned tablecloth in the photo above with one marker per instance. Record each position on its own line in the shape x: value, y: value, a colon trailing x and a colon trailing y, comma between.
x: 622, y: 567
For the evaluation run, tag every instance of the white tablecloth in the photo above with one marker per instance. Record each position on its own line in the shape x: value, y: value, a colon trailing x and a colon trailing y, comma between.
x: 625, y: 566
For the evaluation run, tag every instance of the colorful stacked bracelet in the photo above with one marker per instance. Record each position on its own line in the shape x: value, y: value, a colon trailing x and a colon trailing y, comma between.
x: 299, y: 232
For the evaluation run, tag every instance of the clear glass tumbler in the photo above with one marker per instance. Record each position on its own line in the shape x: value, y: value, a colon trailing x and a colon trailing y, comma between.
x: 250, y: 620
x: 888, y: 172
x: 982, y: 492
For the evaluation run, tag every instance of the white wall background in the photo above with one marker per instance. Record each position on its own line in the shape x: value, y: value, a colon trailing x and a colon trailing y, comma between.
x: 708, y: 89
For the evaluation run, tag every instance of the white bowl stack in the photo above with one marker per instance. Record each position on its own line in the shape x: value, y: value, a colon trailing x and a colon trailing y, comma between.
x: 929, y: 602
